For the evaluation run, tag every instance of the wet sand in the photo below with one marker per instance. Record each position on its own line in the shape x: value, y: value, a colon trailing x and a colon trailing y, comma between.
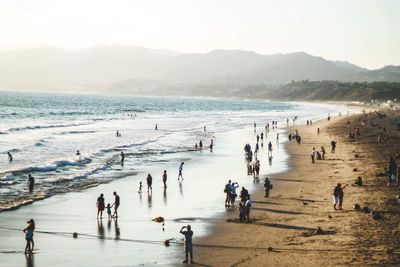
x: 134, y: 239
x: 283, y: 232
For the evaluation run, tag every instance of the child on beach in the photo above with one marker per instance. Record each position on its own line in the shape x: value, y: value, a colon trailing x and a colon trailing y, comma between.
x: 109, y: 211
x: 140, y: 187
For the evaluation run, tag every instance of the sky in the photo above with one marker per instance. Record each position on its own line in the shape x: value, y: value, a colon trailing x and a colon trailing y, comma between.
x: 364, y: 32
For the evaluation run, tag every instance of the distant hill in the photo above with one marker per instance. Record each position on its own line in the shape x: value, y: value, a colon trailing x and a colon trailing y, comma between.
x: 133, y: 70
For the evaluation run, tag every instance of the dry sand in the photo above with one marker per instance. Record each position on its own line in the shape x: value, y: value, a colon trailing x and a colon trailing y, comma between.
x: 301, y: 201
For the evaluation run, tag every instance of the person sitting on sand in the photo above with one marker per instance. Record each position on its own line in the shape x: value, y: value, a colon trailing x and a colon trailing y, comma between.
x: 31, y: 183
x: 188, y: 243
x: 29, y: 236
x: 149, y: 181
x: 100, y: 206
x: 358, y: 181
x: 116, y: 205
x: 338, y: 195
x: 10, y: 157
x: 78, y: 153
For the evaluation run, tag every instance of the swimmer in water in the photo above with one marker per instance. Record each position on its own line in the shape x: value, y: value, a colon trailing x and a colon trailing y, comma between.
x: 10, y: 158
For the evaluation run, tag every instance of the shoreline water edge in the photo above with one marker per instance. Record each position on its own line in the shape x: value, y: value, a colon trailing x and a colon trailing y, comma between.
x: 182, y: 213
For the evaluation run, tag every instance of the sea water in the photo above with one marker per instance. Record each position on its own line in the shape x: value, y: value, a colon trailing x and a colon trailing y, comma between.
x: 44, y: 131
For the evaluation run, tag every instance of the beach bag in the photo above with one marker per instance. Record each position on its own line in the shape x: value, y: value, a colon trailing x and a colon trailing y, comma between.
x: 270, y: 186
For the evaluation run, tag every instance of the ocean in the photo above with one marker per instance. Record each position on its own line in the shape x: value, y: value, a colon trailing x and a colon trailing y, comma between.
x: 44, y: 131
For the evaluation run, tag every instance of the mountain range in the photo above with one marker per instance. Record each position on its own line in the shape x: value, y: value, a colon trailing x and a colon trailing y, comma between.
x: 132, y: 69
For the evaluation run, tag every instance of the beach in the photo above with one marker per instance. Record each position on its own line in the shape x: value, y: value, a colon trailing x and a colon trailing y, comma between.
x: 284, y: 231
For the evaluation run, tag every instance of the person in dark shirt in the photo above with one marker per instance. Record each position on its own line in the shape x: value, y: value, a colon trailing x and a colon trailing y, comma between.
x: 149, y: 180
x: 338, y: 195
x: 31, y: 183
x: 10, y: 158
x: 116, y: 205
x: 188, y: 243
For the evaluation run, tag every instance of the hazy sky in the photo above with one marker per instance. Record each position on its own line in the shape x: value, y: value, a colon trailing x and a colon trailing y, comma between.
x: 365, y: 32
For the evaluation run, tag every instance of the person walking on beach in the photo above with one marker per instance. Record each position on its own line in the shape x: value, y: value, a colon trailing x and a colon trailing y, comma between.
x: 164, y: 179
x: 333, y: 146
x: 243, y: 194
x: 313, y: 155
x: 338, y: 195
x: 269, y: 148
x: 211, y: 145
x: 29, y: 236
x: 255, y: 126
x: 227, y: 191
x: 180, y: 170
x: 267, y: 186
x: 149, y: 180
x: 200, y: 144
x: 10, y: 157
x: 100, y: 206
x: 188, y: 233
x: 247, y: 208
x: 31, y: 183
x: 233, y: 194
x: 323, y: 152
x: 116, y: 205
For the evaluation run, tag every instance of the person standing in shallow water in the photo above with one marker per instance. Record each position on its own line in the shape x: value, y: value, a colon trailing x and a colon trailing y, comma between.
x: 180, y: 175
x: 116, y: 205
x: 164, y: 179
x: 29, y: 236
x: 100, y: 206
x: 10, y: 158
x: 149, y: 180
x: 31, y: 183
x: 188, y: 233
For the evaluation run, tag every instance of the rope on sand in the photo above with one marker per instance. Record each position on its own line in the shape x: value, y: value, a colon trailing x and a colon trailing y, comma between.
x: 171, y: 241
